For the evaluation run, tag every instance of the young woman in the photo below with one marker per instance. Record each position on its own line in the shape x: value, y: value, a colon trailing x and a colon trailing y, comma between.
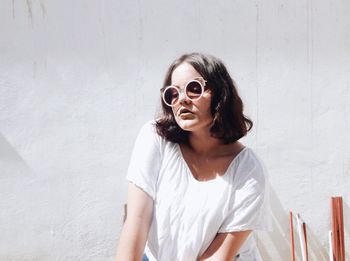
x: 195, y: 192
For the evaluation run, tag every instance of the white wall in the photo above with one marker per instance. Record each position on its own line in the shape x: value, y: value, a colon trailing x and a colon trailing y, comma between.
x: 78, y: 79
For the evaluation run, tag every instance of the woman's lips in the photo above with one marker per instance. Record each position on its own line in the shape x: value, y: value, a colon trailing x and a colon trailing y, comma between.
x: 186, y: 115
x: 185, y: 111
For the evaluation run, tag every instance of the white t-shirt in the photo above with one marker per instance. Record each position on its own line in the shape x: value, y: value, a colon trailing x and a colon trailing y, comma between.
x: 189, y: 213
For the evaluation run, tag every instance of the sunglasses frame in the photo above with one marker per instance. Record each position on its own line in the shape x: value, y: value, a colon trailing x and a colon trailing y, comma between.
x: 200, y: 80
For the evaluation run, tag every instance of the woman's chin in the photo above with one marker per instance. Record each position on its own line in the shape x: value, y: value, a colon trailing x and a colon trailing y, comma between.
x: 193, y: 123
x: 187, y: 124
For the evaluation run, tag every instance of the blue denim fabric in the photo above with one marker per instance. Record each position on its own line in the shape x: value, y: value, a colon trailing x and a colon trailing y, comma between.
x: 144, y: 258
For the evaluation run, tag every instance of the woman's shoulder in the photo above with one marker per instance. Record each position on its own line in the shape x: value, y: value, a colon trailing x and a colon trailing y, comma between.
x: 249, y: 158
x: 149, y: 131
x: 149, y: 125
x: 250, y: 165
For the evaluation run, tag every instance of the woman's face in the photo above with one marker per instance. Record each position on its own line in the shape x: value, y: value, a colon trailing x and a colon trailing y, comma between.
x: 191, y: 115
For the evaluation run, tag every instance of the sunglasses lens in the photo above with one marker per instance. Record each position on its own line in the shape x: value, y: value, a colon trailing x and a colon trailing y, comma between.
x: 194, y: 90
x: 171, y: 96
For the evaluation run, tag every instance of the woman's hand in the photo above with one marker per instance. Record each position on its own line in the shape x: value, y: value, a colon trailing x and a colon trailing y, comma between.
x: 135, y: 230
x: 225, y: 246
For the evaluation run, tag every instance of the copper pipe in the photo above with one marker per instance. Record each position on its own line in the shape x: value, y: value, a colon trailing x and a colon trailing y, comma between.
x: 341, y: 229
x: 338, y: 229
x: 334, y: 230
x: 291, y: 235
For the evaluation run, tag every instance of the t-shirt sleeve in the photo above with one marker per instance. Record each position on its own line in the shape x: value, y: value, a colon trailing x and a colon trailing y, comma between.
x: 145, y: 160
x: 249, y: 205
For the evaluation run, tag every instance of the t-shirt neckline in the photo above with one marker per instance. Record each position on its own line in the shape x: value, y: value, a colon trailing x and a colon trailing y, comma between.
x: 233, y: 161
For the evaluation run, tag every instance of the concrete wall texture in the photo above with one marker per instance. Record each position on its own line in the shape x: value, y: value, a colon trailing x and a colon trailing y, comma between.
x: 79, y: 78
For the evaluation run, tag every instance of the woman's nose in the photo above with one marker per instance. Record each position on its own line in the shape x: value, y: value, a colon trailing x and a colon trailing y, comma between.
x: 182, y: 97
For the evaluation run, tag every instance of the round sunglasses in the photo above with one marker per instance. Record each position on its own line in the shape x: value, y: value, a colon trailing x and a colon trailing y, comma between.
x: 193, y: 91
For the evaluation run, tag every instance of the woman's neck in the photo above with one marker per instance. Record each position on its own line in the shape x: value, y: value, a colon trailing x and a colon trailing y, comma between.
x: 202, y: 143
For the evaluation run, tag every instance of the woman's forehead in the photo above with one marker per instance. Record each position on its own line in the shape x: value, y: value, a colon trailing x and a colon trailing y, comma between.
x: 184, y: 73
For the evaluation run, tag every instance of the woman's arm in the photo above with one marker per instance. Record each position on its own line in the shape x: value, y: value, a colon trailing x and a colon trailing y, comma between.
x: 135, y: 230
x: 225, y: 246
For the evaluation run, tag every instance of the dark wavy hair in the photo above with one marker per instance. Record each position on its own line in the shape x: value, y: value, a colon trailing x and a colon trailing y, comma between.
x: 229, y: 122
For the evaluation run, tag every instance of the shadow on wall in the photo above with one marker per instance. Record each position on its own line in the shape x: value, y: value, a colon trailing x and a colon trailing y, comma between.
x: 12, y: 164
x: 9, y: 154
x: 315, y: 248
x: 16, y: 180
x: 277, y: 242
